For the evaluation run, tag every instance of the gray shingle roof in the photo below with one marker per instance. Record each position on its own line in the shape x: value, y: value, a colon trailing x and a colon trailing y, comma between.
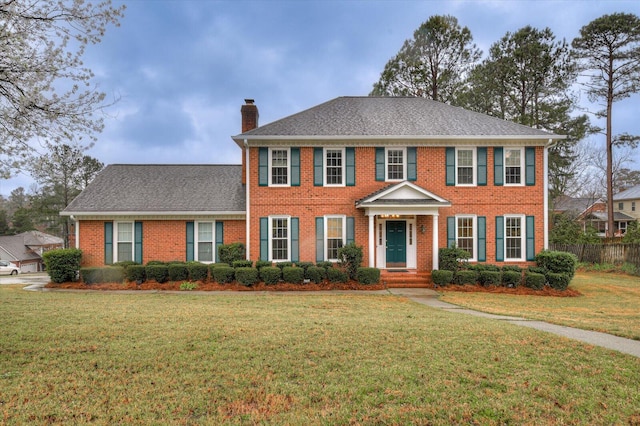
x: 389, y: 117
x: 632, y: 193
x: 15, y: 246
x: 162, y: 188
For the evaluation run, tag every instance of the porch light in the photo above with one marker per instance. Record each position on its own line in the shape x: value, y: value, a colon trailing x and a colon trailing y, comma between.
x: 423, y: 229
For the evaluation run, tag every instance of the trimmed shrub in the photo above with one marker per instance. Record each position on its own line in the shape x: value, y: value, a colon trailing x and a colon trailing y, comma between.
x: 198, y: 271
x: 514, y: 268
x: 534, y: 280
x: 326, y: 264
x: 557, y: 261
x: 156, y: 262
x: 218, y: 264
x: 484, y: 267
x: 558, y: 281
x: 135, y: 273
x: 537, y: 270
x: 465, y: 277
x: 315, y: 274
x: 368, y: 275
x: 91, y: 275
x: 62, y: 265
x: 222, y: 274
x: 178, y: 272
x: 247, y: 276
x: 453, y: 258
x: 511, y: 279
x: 113, y: 274
x: 126, y: 263
x: 270, y: 274
x: 350, y: 258
x: 489, y: 278
x: 244, y: 263
x: 262, y: 263
x: 304, y: 265
x: 337, y: 275
x: 228, y: 253
x: 441, y: 277
x: 293, y: 275
x: 159, y: 273
x: 283, y: 265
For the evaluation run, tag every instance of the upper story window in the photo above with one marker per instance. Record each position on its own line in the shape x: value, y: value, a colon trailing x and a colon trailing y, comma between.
x: 279, y: 166
x: 513, y: 166
x: 465, y: 166
x: 633, y: 206
x: 205, y: 242
x: 334, y: 165
x: 396, y: 164
x: 620, y: 206
x: 124, y: 241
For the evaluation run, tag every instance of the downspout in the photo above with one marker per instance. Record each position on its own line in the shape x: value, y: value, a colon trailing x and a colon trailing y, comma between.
x: 247, y: 200
x: 76, y: 231
x: 545, y: 165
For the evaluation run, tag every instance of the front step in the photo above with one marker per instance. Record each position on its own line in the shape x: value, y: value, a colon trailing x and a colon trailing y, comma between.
x: 408, y: 279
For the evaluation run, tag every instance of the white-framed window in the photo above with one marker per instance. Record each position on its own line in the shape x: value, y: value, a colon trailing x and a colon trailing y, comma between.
x: 279, y: 166
x: 513, y: 166
x: 334, y: 166
x: 514, y: 237
x: 335, y: 231
x: 467, y: 234
x: 205, y: 242
x: 396, y: 164
x: 622, y: 227
x: 466, y: 161
x: 279, y: 238
x: 620, y: 206
x: 123, y: 245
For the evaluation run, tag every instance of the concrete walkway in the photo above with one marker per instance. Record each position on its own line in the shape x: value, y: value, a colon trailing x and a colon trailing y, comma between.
x: 424, y: 296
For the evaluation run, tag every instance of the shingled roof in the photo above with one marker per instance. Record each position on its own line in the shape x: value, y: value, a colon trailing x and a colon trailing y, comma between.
x: 162, y: 189
x: 391, y: 117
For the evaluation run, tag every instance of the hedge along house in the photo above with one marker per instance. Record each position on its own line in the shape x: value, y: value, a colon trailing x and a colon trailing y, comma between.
x: 400, y: 177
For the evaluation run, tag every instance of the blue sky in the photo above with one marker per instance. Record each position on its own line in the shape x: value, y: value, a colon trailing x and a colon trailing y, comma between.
x: 182, y: 68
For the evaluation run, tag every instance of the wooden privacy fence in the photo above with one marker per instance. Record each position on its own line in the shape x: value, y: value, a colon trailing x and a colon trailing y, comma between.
x: 615, y: 253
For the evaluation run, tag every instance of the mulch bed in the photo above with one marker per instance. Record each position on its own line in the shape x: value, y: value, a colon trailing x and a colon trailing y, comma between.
x: 351, y: 285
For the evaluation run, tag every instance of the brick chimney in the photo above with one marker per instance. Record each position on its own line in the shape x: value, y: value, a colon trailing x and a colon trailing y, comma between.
x: 249, y: 112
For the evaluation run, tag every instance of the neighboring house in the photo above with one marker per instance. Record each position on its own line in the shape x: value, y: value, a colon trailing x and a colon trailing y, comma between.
x: 401, y: 177
x: 626, y: 208
x: 587, y: 211
x: 26, y: 249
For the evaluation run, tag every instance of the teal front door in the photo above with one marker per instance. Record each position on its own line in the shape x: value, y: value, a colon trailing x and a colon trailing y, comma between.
x: 396, y: 243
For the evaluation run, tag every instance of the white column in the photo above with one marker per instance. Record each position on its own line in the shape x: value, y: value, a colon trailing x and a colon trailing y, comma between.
x: 435, y: 242
x: 372, y: 241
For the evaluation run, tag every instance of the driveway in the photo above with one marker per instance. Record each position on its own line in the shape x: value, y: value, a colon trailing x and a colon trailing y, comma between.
x: 31, y: 279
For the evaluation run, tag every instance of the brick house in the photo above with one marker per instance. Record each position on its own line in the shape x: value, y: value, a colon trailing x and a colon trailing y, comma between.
x: 400, y: 177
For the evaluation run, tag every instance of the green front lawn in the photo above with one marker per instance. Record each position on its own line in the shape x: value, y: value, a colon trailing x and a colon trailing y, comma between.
x: 104, y: 358
x: 609, y: 303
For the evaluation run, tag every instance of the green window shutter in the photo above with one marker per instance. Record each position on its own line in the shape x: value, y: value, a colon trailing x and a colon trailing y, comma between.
x: 412, y: 168
x: 264, y: 238
x: 450, y: 154
x: 499, y: 238
x: 295, y: 245
x: 318, y: 166
x: 380, y: 174
x: 530, y: 166
x: 482, y: 166
x: 319, y: 239
x: 350, y: 153
x: 451, y: 231
x: 137, y: 241
x: 219, y: 238
x: 108, y: 243
x: 351, y: 234
x: 263, y: 166
x: 295, y: 166
x: 482, y: 239
x: 498, y: 174
x: 190, y: 241
x: 531, y: 235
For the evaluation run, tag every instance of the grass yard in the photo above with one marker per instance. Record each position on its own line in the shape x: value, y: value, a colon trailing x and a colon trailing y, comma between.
x: 104, y: 358
x: 609, y: 303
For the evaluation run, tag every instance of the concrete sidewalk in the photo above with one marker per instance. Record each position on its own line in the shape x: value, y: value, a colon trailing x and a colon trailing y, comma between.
x: 424, y: 296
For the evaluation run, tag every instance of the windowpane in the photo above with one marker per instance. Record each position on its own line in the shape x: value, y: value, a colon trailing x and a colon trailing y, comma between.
x: 279, y: 166
x: 125, y: 232
x: 513, y: 237
x: 125, y: 252
x: 334, y: 166
x: 395, y: 164
x: 279, y: 238
x: 205, y: 252
x: 465, y: 166
x: 334, y: 237
x: 513, y: 166
x: 465, y: 235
